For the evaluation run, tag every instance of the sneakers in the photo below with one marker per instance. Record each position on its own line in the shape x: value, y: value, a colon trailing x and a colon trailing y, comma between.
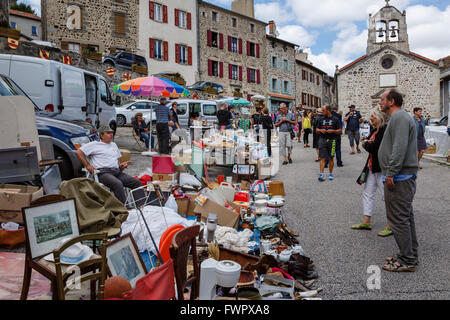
x: 321, y: 177
x: 331, y: 177
x: 290, y: 160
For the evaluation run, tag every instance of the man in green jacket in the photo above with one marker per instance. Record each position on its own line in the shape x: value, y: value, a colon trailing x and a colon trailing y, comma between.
x: 398, y: 161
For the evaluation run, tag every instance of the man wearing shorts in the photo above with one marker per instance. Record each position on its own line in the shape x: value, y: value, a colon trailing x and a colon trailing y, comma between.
x: 328, y: 129
x: 353, y: 119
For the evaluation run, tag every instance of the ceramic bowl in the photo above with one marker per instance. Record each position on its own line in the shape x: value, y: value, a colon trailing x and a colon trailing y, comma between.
x: 285, y: 255
x: 261, y: 203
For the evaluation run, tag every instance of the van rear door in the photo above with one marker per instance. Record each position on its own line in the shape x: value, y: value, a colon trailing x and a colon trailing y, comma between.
x: 209, y: 110
x: 73, y: 94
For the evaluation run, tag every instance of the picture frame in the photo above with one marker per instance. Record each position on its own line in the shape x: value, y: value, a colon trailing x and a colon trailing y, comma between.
x: 47, y: 224
x: 124, y: 260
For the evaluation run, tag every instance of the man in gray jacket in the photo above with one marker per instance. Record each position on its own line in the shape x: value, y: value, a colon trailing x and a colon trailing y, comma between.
x: 398, y: 161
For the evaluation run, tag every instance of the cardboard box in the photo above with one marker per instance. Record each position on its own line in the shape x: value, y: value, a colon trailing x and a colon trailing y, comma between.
x: 186, y: 206
x: 15, y: 197
x: 226, y: 217
x: 126, y: 155
x: 163, y: 176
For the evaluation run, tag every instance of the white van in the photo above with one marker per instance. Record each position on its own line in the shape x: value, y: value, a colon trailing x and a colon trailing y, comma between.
x: 70, y: 93
x: 199, y: 109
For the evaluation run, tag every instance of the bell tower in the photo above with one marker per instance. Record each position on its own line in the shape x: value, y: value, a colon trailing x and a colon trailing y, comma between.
x: 388, y: 27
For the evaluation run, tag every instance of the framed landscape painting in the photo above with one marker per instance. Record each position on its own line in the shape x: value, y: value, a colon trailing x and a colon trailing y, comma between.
x: 48, y: 224
x: 124, y: 260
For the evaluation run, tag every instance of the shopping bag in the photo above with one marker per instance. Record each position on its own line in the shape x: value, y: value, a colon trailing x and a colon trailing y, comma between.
x: 364, y: 174
x: 158, y: 284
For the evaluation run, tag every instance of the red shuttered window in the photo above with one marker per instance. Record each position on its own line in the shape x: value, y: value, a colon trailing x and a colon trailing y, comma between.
x: 190, y: 56
x: 166, y: 50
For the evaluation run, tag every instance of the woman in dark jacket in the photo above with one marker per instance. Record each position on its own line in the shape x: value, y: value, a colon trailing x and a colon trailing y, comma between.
x: 267, y: 126
x: 374, y: 178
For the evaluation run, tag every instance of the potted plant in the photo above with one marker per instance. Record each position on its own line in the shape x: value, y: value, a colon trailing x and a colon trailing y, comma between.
x: 139, y: 69
x: 92, y: 54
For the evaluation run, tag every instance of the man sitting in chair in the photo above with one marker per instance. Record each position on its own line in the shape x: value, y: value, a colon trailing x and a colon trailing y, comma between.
x: 104, y: 156
x: 142, y: 131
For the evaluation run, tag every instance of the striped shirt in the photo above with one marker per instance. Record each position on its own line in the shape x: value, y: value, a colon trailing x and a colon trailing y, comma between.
x: 162, y: 113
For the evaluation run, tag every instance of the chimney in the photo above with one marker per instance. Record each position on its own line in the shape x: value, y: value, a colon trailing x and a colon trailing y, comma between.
x: 245, y: 7
x: 272, y: 28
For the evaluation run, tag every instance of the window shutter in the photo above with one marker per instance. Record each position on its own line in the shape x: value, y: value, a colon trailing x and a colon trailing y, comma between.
x: 151, y: 7
x: 152, y: 48
x: 119, y: 23
x: 166, y: 50
x: 209, y: 38
x: 230, y: 71
x: 221, y: 69
x: 248, y: 48
x: 229, y: 43
x: 279, y: 85
x: 257, y: 50
x: 64, y: 45
x: 271, y: 84
x: 248, y: 74
x: 189, y: 21
x: 177, y: 53
x: 220, y: 41
x: 240, y: 73
x: 258, y: 79
x: 209, y: 67
x: 288, y: 66
x: 165, y: 19
x: 240, y: 46
x: 249, y: 97
x: 190, y: 56
x: 177, y: 18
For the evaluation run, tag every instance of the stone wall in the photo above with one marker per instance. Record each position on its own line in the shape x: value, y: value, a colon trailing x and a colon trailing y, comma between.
x: 308, y: 87
x: 417, y: 80
x: 32, y: 50
x: 242, y: 31
x: 282, y: 51
x: 97, y: 28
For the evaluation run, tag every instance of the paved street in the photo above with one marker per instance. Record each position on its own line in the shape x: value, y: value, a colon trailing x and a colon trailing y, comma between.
x: 322, y: 213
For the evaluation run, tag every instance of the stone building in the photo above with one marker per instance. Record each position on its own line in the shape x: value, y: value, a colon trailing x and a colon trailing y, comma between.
x: 232, y: 50
x: 444, y: 66
x: 310, y: 88
x: 101, y: 25
x: 168, y: 36
x: 28, y: 23
x: 389, y: 64
x: 280, y: 70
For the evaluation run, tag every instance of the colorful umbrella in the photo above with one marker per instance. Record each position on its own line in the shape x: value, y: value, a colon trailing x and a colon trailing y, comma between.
x: 151, y: 86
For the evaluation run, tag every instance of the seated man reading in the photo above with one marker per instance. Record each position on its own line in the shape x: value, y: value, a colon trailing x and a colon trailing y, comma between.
x: 104, y: 156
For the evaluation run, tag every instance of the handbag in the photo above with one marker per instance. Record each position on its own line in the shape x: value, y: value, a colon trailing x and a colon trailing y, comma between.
x: 364, y: 173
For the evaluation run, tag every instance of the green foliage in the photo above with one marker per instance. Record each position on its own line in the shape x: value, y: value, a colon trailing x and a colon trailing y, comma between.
x: 23, y: 7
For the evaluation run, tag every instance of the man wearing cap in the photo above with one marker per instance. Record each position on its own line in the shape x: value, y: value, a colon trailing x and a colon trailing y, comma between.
x: 353, y: 119
x: 163, y: 122
x: 103, y: 156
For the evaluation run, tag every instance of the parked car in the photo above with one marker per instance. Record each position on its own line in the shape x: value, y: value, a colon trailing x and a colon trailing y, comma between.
x: 67, y: 92
x: 201, y: 109
x: 438, y: 121
x: 201, y: 85
x: 66, y: 136
x: 124, y: 60
x: 126, y: 112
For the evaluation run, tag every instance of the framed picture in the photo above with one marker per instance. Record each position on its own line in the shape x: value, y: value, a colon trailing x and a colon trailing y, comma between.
x: 124, y: 260
x: 47, y: 224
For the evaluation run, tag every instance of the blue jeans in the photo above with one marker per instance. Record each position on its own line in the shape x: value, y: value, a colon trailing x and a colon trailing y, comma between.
x: 146, y: 138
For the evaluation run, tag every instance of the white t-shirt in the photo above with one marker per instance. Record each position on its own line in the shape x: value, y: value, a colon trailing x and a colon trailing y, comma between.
x: 102, y: 155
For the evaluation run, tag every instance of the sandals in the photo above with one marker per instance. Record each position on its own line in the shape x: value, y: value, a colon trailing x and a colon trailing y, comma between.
x: 393, y: 259
x: 386, y: 232
x: 398, y: 267
x: 362, y: 226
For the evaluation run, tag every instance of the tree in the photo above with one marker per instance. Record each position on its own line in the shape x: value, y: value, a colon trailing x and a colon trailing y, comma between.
x: 22, y: 7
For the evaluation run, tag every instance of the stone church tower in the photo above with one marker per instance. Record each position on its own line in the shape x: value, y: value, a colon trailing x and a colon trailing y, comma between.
x: 387, y: 64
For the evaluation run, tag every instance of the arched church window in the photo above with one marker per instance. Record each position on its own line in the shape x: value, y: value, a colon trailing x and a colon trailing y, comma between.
x: 381, y: 31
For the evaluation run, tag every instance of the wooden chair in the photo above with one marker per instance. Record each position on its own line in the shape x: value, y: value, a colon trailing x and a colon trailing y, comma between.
x: 183, y: 243
x: 39, y: 264
x: 62, y: 273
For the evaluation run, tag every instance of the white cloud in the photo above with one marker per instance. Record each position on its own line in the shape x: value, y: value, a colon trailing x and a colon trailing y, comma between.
x: 272, y: 11
x: 428, y: 31
x: 297, y: 35
x: 331, y: 12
